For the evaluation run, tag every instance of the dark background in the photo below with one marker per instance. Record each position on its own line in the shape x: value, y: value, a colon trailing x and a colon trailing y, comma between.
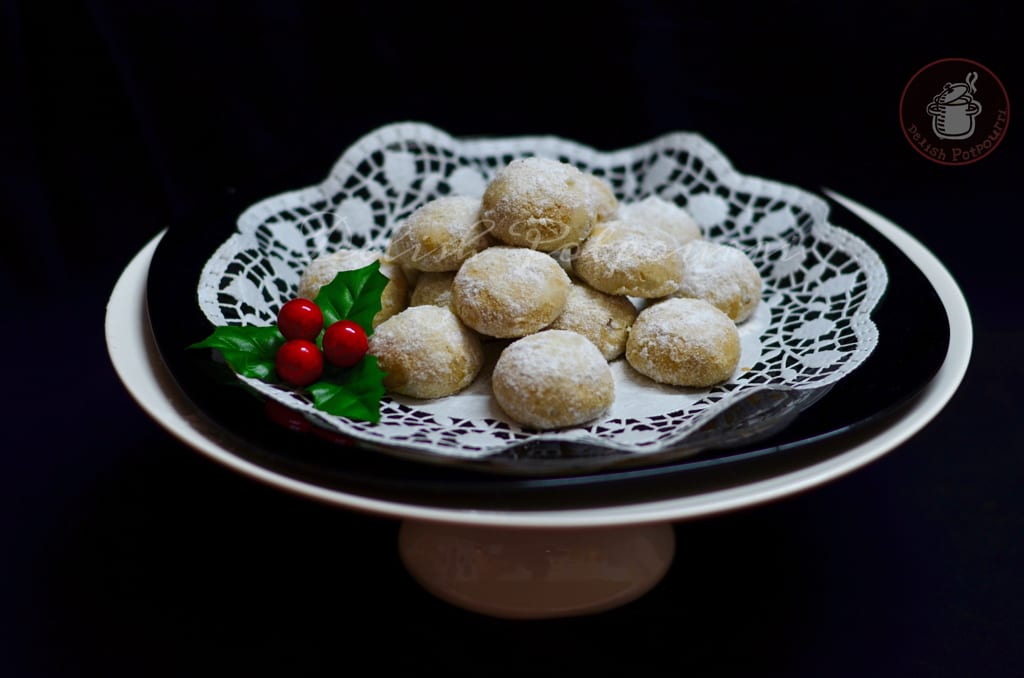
x: 125, y: 553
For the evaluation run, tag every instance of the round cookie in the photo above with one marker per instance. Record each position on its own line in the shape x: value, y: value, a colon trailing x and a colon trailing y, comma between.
x: 722, y: 275
x: 432, y: 288
x: 426, y: 352
x: 625, y: 258
x: 509, y: 291
x: 539, y: 203
x: 684, y: 342
x: 667, y: 217
x: 553, y: 379
x: 324, y: 268
x: 440, y: 235
x: 602, y: 318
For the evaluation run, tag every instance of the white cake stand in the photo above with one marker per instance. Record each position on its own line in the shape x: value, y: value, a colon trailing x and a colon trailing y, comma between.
x: 543, y: 563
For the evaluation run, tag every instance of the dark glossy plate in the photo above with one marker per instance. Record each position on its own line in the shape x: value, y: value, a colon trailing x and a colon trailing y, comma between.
x: 911, y: 320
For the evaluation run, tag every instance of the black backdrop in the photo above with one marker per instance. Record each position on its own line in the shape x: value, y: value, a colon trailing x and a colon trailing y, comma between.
x: 128, y: 554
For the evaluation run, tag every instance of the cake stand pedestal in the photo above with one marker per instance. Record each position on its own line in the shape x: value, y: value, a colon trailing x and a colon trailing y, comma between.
x: 524, y: 573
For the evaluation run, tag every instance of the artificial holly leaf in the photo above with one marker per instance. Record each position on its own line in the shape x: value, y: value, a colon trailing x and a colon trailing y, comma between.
x: 355, y: 393
x: 248, y: 350
x: 353, y: 295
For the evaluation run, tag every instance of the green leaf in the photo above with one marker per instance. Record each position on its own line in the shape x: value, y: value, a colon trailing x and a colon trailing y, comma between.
x: 248, y: 350
x: 353, y: 295
x: 354, y: 393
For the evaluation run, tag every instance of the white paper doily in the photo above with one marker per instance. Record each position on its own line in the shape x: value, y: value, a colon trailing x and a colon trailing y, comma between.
x: 812, y: 329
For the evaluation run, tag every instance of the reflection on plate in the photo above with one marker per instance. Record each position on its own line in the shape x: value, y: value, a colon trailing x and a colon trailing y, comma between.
x: 812, y: 329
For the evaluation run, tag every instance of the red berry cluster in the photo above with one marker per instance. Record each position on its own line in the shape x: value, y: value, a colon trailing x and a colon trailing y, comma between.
x: 299, y: 361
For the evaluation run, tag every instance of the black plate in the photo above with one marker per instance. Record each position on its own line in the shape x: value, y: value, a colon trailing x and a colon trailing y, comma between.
x: 914, y: 337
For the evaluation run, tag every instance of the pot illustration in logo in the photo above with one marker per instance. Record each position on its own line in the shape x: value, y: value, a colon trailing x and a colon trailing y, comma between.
x: 954, y: 108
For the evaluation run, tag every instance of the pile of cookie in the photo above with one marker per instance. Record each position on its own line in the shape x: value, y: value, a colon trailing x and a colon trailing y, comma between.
x: 569, y: 278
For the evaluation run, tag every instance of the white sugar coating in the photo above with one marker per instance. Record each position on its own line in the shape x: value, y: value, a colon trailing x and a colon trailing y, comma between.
x: 722, y: 275
x: 602, y: 318
x: 540, y: 203
x: 625, y: 258
x: 426, y: 352
x: 684, y: 342
x: 324, y: 268
x: 432, y: 288
x: 440, y: 235
x: 657, y: 213
x: 553, y: 379
x: 509, y: 291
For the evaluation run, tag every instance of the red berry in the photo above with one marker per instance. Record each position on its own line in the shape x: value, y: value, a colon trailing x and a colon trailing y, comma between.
x: 299, y: 362
x: 345, y: 343
x: 300, y: 319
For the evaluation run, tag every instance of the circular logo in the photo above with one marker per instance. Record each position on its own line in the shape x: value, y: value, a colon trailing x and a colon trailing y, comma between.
x: 954, y: 111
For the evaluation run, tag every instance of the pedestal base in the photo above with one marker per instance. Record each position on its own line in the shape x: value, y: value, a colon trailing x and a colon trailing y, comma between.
x: 536, y: 573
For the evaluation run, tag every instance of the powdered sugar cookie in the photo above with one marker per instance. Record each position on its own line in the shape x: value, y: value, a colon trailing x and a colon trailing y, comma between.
x: 667, y: 217
x: 553, y: 379
x: 440, y: 235
x: 432, y: 288
x: 625, y: 258
x: 509, y: 291
x: 540, y: 203
x: 684, y: 342
x: 602, y: 318
x: 722, y: 275
x: 426, y: 352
